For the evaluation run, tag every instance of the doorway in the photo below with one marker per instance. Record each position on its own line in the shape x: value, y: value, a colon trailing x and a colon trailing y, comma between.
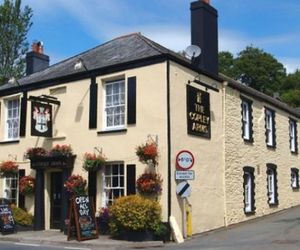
x: 55, y: 200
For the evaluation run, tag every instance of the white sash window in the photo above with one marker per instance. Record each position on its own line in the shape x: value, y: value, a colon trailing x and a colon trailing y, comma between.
x: 12, y: 119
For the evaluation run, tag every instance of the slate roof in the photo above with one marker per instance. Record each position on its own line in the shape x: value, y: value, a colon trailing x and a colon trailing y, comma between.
x: 124, y: 49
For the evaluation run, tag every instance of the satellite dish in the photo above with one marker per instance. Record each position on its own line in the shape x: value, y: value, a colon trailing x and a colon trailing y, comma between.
x: 193, y: 51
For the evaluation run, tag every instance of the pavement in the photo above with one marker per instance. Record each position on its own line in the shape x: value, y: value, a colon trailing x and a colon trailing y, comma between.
x: 57, y: 238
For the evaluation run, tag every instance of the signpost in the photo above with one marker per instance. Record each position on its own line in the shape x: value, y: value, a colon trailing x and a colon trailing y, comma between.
x: 82, y: 219
x: 7, y: 223
x: 185, y: 175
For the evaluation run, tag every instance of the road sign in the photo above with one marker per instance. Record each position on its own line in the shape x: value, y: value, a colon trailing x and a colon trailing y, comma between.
x: 184, y: 160
x: 183, y: 189
x: 185, y: 175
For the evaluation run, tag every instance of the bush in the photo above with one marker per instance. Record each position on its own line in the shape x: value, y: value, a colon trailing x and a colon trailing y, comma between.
x: 134, y: 213
x: 21, y: 216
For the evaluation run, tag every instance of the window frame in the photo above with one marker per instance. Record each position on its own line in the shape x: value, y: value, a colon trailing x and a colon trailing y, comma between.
x: 249, y: 190
x: 272, y: 185
x: 293, y: 136
x: 294, y: 178
x: 270, y: 128
x: 7, y: 189
x: 109, y: 188
x: 8, y: 118
x: 247, y: 124
x: 105, y: 107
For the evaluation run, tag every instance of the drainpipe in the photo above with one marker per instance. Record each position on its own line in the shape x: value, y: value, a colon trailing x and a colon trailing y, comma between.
x: 224, y: 86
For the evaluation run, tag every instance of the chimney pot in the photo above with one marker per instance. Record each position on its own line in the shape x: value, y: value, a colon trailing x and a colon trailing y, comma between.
x: 206, y: 1
x: 36, y: 60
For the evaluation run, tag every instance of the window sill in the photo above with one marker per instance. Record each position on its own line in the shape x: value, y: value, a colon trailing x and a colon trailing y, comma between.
x: 57, y: 137
x: 273, y: 147
x: 250, y: 213
x: 248, y: 141
x: 294, y: 152
x: 9, y: 142
x: 112, y: 131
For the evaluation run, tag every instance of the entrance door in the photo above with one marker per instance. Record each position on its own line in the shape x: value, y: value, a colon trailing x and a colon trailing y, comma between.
x: 55, y: 200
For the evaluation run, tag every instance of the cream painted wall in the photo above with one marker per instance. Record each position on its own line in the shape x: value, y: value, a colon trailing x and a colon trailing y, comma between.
x: 207, y: 198
x: 71, y: 126
x: 239, y: 154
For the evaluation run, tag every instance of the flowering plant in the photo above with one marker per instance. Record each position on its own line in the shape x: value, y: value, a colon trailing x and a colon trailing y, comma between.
x: 93, y: 161
x: 75, y: 184
x: 27, y: 185
x: 61, y: 150
x: 149, y: 184
x: 37, y: 151
x: 8, y: 167
x: 147, y: 152
x: 103, y: 220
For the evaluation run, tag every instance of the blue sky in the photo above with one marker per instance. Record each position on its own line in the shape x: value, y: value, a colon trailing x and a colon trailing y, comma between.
x: 69, y: 27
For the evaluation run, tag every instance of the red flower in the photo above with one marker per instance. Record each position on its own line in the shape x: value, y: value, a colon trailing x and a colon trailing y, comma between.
x: 149, y: 183
x: 147, y: 152
x: 27, y: 185
x: 8, y: 167
x: 75, y: 184
x: 93, y: 161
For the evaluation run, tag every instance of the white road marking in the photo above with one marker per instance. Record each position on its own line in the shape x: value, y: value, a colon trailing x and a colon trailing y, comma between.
x: 28, y: 244
x: 77, y: 248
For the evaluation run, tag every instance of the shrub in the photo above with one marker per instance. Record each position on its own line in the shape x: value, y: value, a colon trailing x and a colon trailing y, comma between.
x: 21, y: 216
x: 134, y: 213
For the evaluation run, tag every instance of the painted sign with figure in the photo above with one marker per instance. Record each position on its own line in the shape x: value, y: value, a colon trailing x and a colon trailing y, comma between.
x: 41, y: 119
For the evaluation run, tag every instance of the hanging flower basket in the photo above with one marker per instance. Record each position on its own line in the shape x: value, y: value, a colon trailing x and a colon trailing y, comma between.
x: 147, y: 153
x: 75, y: 184
x: 35, y: 152
x: 93, y: 162
x: 27, y: 185
x: 61, y: 150
x: 149, y: 183
x: 8, y: 168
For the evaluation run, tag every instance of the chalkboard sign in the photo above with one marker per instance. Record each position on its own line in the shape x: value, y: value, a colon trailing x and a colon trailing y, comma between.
x: 82, y: 219
x: 7, y: 224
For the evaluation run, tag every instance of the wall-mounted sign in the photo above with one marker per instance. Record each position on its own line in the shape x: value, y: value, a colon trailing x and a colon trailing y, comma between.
x: 41, y: 119
x: 183, y: 189
x: 185, y: 175
x: 184, y: 160
x: 198, y: 112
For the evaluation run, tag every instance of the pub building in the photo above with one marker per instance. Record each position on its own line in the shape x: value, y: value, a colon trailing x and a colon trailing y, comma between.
x: 116, y: 96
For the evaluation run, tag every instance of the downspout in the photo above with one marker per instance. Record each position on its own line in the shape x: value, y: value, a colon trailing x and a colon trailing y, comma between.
x: 225, y: 84
x: 169, y: 140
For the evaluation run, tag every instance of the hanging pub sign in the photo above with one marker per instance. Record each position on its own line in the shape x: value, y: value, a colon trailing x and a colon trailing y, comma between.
x: 41, y: 119
x: 198, y: 112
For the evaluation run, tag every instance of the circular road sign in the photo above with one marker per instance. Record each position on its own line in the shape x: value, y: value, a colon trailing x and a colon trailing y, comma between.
x: 185, y: 160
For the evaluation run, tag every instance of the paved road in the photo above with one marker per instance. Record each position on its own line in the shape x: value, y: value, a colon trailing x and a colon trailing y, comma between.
x: 277, y: 232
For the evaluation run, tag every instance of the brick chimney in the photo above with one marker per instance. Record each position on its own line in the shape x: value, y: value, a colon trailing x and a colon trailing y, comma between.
x: 204, y: 33
x: 35, y: 59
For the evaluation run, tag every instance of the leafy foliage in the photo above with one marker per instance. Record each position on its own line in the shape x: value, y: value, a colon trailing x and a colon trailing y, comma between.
x: 290, y: 89
x: 14, y: 26
x: 21, y: 216
x: 134, y: 213
x: 255, y: 68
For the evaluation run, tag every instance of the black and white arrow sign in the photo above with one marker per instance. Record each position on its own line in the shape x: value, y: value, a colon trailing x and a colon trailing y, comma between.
x: 183, y: 189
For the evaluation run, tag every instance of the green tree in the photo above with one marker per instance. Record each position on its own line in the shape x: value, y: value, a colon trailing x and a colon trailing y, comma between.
x: 15, y: 23
x: 255, y: 68
x: 226, y: 61
x: 290, y: 89
x: 259, y: 70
